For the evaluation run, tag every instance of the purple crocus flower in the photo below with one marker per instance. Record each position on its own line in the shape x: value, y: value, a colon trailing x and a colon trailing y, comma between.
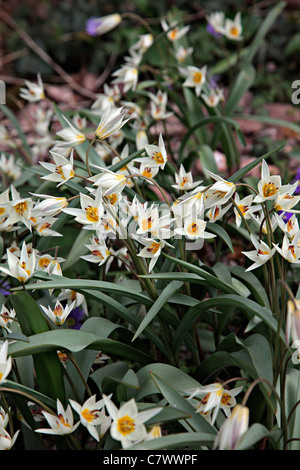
x: 297, y: 178
x: 5, y: 288
x: 97, y: 26
x: 75, y: 318
x: 211, y: 30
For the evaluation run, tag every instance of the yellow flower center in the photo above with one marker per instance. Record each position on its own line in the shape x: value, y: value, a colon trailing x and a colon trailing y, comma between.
x: 63, y: 421
x: 147, y: 172
x: 2, y: 210
x: 44, y: 262
x: 193, y: 228
x: 291, y: 248
x: 261, y: 252
x: 226, y: 399
x: 58, y: 311
x: 92, y: 214
x: 89, y: 415
x: 184, y: 181
x: 197, y: 77
x: 289, y: 225
x: 243, y: 208
x: 269, y: 189
x: 112, y: 198
x: 21, y: 207
x: 173, y: 34
x: 157, y: 156
x: 154, y: 248
x: 147, y: 223
x: 125, y: 425
x: 44, y: 226
x: 234, y: 31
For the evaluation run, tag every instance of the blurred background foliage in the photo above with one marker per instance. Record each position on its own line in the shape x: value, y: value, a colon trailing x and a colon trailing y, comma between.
x: 58, y: 27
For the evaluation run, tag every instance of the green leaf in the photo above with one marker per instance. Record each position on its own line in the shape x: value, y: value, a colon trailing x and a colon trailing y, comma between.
x: 48, y: 367
x: 221, y: 233
x: 74, y: 341
x: 17, y: 126
x: 171, y: 374
x: 243, y: 171
x: 242, y: 83
x: 158, y: 304
x: 213, y: 281
x: 250, y: 308
x: 263, y: 30
x: 78, y: 249
x: 188, y: 440
x: 207, y: 158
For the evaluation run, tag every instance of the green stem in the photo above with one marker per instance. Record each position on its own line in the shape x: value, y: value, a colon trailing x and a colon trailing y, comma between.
x: 87, y: 155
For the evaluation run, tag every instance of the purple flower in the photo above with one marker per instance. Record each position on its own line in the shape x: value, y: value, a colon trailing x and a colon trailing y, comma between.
x: 286, y: 216
x: 297, y: 178
x: 97, y: 26
x: 210, y: 29
x: 75, y: 318
x: 4, y: 288
x: 92, y: 26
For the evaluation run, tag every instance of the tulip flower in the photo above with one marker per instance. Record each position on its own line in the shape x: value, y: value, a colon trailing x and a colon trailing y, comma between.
x: 233, y: 429
x: 60, y: 424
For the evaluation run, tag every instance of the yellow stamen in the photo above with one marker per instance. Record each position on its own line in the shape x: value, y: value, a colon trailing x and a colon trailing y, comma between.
x: 125, y: 425
x: 92, y: 214
x: 269, y: 189
x: 154, y: 248
x: 197, y: 77
x: 21, y: 207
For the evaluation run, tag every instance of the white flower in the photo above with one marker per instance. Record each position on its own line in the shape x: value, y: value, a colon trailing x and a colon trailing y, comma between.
x: 233, y: 429
x: 214, y: 396
x: 193, y: 229
x: 216, y: 212
x: 260, y: 255
x: 91, y: 210
x: 220, y: 191
x: 6, y: 441
x: 157, y: 154
x: 182, y: 53
x: 6, y: 318
x: 213, y: 98
x: 290, y: 249
x: 233, y: 28
x: 61, y: 170
x: 70, y: 135
x: 285, y: 201
x: 50, y: 206
x: 110, y: 122
x: 19, y: 209
x: 151, y: 250
x: 173, y: 31
x: 21, y: 268
x: 91, y: 414
x: 244, y: 206
x: 195, y: 78
x: 109, y: 181
x: 127, y: 75
x: 216, y: 20
x: 5, y: 362
x: 268, y: 186
x: 184, y: 180
x: 158, y: 105
x: 59, y: 314
x: 293, y: 320
x: 107, y: 99
x: 33, y: 92
x: 128, y: 423
x: 9, y: 167
x: 60, y: 424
